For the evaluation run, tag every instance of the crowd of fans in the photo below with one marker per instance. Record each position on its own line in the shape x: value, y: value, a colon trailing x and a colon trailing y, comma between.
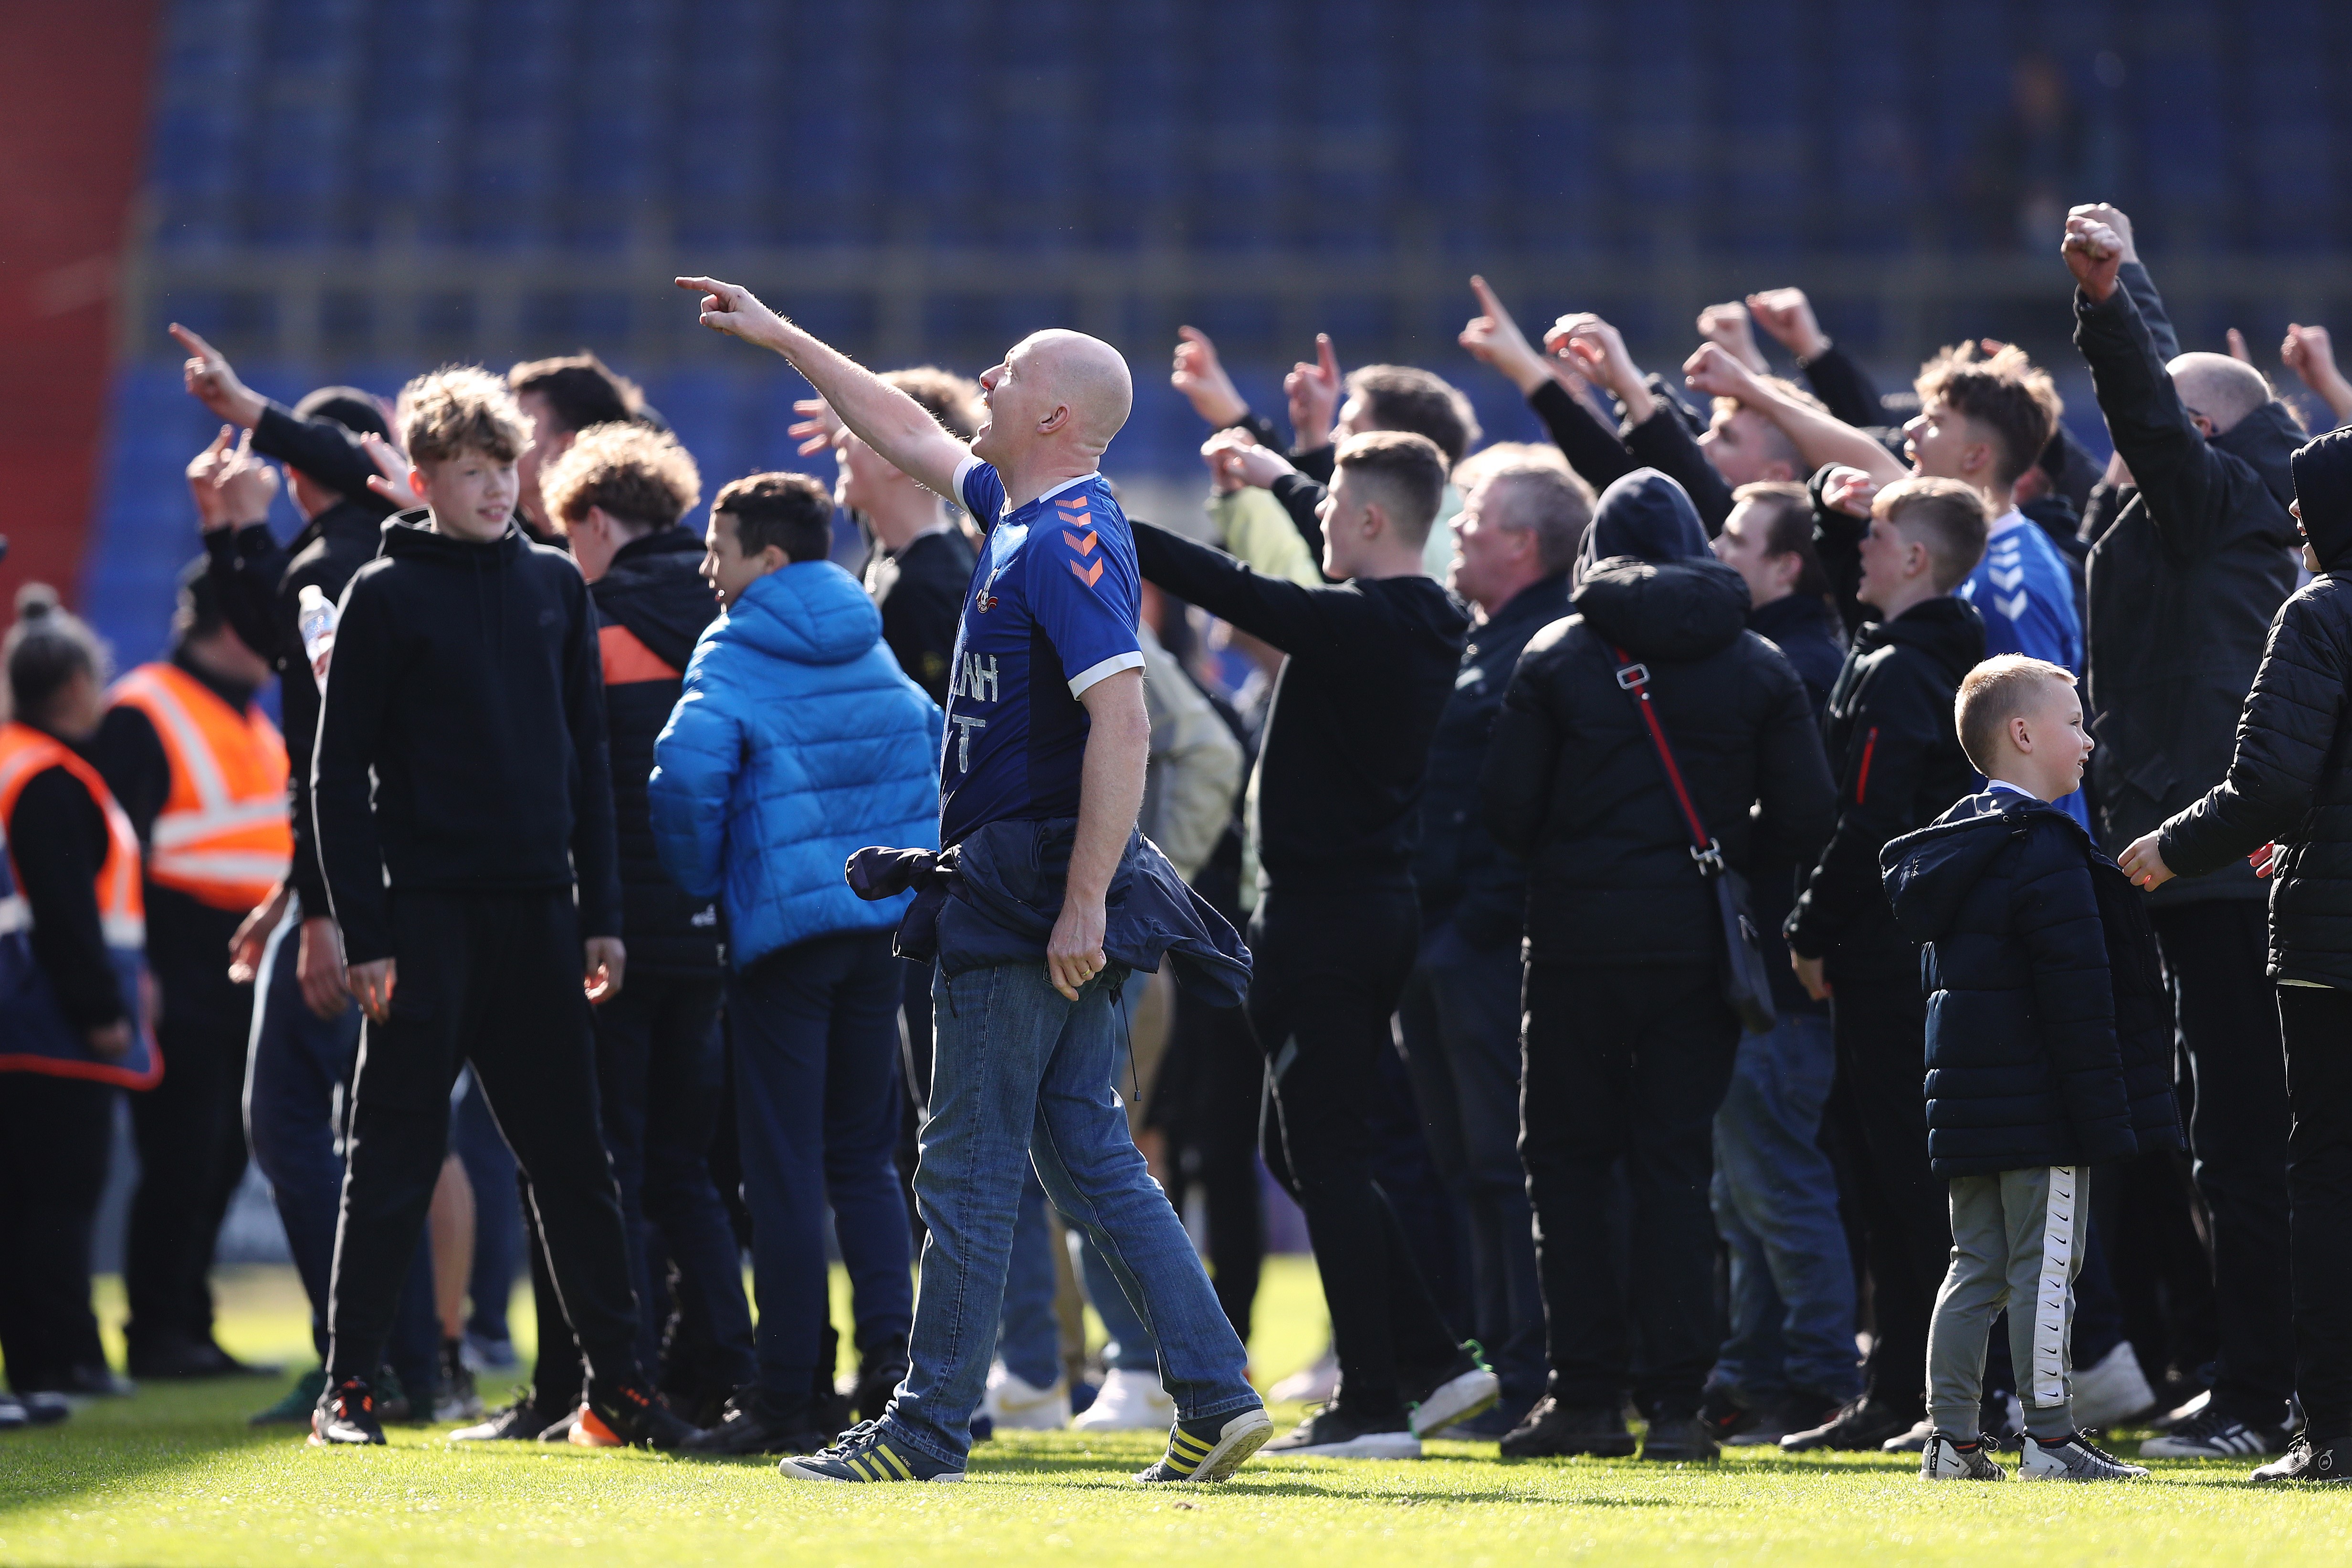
x: 1620, y: 829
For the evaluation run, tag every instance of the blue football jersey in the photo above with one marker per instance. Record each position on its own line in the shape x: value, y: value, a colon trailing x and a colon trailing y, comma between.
x: 1051, y: 610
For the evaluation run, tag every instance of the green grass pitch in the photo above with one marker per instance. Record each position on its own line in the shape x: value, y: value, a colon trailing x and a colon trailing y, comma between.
x: 175, y: 1476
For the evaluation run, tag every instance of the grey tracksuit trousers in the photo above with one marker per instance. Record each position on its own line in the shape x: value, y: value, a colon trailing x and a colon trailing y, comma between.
x: 2016, y: 1241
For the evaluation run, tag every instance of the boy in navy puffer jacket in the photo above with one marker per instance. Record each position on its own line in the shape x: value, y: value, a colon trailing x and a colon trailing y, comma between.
x: 2048, y: 1050
x: 798, y: 739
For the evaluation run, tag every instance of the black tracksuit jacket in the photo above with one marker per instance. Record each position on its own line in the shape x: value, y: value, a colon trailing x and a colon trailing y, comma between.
x: 651, y: 608
x: 462, y: 738
x: 919, y: 591
x: 1899, y: 765
x: 1346, y: 747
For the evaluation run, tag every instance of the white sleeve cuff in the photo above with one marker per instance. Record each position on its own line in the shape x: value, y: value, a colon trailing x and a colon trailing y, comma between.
x: 962, y: 473
x: 1110, y: 666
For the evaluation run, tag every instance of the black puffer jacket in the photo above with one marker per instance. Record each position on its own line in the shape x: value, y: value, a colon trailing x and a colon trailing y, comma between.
x: 1899, y: 764
x: 2178, y: 588
x: 651, y: 607
x: 2049, y: 1033
x: 2291, y: 781
x: 1573, y: 785
x: 1461, y: 875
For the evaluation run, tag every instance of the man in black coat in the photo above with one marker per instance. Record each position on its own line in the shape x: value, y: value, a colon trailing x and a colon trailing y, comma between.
x: 1630, y: 1040
x: 2186, y: 566
x: 2290, y: 784
x: 1514, y: 541
x: 1899, y: 764
x: 1787, y: 1362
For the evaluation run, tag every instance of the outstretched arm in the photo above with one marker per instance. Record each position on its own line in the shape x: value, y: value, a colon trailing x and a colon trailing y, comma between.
x: 884, y: 418
x: 1817, y: 437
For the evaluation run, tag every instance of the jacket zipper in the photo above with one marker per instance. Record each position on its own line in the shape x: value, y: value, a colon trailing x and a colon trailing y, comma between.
x: 1862, y: 775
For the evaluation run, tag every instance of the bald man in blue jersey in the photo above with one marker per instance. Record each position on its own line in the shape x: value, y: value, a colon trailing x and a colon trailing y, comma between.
x: 1045, y: 724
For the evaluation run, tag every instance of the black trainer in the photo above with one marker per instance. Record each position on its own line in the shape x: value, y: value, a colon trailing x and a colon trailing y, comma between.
x: 518, y: 1423
x: 1553, y: 1430
x: 751, y: 1425
x: 1679, y: 1439
x: 1335, y: 1432
x: 1724, y: 1417
x: 1865, y: 1424
x: 880, y: 1369
x: 346, y: 1416
x: 2309, y: 1461
x: 638, y: 1419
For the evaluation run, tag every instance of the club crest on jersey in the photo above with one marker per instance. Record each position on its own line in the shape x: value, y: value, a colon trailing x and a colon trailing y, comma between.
x: 983, y: 601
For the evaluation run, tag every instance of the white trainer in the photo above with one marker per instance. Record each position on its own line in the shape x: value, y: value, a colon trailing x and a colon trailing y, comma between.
x: 1316, y: 1384
x: 2073, y: 1458
x: 1016, y: 1404
x: 2113, y: 1392
x: 1944, y: 1460
x: 1129, y: 1402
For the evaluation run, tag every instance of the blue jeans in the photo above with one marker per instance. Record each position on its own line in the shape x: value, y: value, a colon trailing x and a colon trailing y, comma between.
x: 1029, y: 1336
x: 296, y: 1061
x: 816, y: 1030
x: 1019, y: 1069
x: 1776, y: 1205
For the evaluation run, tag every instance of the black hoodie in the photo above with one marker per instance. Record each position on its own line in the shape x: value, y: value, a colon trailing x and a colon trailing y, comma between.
x: 1899, y: 764
x: 2291, y: 780
x: 2049, y: 1031
x: 651, y: 608
x: 1572, y: 783
x: 2178, y: 590
x: 461, y: 737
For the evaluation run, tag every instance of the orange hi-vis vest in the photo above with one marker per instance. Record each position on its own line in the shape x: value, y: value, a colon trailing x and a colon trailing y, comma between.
x: 224, y: 836
x: 33, y: 1039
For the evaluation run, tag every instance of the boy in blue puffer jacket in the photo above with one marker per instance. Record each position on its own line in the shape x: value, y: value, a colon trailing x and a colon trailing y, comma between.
x: 797, y: 740
x: 2049, y: 1048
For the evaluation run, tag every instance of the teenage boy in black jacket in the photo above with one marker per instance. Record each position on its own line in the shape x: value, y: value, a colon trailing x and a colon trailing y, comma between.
x: 617, y: 493
x: 1899, y: 764
x: 2185, y: 573
x: 2049, y: 1050
x: 308, y: 1037
x: 1371, y: 662
x: 2290, y: 785
x: 1515, y: 542
x: 1629, y: 1043
x: 464, y: 799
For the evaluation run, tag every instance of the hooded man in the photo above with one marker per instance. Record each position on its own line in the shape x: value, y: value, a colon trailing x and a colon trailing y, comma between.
x: 1630, y: 1040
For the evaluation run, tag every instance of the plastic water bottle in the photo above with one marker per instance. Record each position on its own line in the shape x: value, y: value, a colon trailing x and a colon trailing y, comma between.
x: 315, y: 614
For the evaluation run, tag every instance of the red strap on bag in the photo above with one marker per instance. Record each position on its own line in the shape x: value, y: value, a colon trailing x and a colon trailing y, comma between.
x: 1636, y: 678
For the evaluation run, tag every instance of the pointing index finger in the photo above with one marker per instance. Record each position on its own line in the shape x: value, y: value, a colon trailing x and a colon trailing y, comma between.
x: 195, y: 345
x: 1326, y: 356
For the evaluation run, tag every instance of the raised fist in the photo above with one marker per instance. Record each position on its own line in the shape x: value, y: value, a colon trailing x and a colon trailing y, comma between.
x: 1717, y: 374
x: 2093, y: 252
x: 2115, y: 217
x: 1788, y: 315
x: 1726, y: 325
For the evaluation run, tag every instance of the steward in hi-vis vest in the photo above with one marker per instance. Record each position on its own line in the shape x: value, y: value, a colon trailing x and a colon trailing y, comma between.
x: 200, y: 772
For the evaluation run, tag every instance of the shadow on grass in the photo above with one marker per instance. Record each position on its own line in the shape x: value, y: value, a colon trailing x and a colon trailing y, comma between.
x: 121, y: 1442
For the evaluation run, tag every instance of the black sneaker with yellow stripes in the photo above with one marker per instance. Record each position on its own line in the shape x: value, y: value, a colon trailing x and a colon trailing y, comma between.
x: 1211, y: 1448
x: 864, y: 1455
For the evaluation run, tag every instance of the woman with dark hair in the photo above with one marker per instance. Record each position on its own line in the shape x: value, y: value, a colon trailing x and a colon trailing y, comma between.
x: 71, y: 933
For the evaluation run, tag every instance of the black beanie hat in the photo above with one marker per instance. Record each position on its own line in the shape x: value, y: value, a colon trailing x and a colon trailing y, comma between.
x: 2323, y: 495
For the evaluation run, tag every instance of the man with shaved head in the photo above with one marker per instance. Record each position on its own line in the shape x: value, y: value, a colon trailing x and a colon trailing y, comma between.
x: 2192, y: 551
x: 1040, y: 781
